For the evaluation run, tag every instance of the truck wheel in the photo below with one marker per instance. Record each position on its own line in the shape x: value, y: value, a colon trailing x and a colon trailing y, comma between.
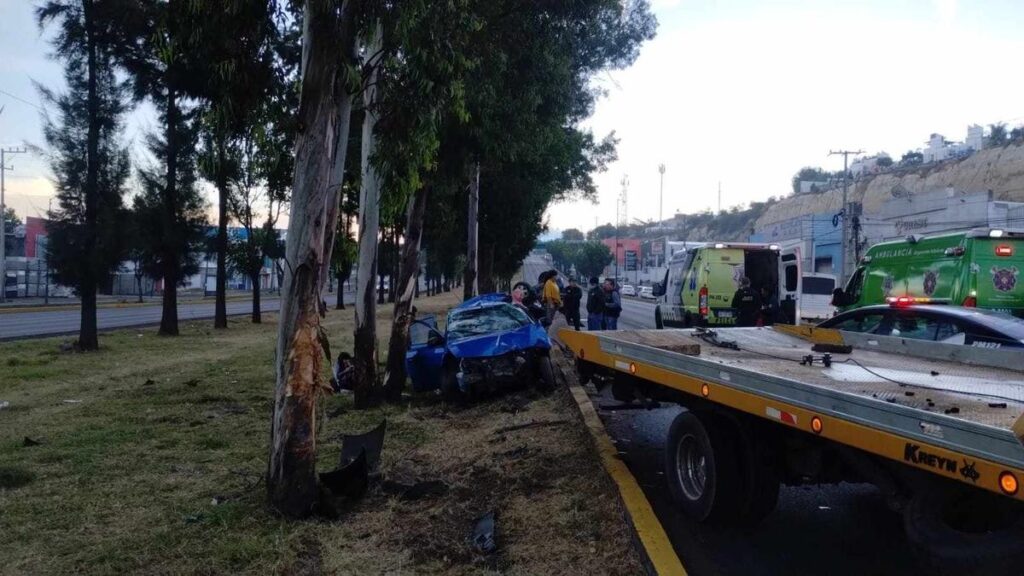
x: 545, y: 373
x: 658, y: 322
x: 701, y: 469
x: 957, y: 530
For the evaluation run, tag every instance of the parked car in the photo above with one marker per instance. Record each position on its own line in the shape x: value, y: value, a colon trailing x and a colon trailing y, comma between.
x: 627, y: 290
x: 937, y: 323
x: 647, y: 293
x: 488, y: 343
x: 816, y: 297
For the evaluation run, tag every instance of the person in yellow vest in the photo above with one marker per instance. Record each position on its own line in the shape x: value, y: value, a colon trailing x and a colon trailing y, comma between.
x: 552, y: 297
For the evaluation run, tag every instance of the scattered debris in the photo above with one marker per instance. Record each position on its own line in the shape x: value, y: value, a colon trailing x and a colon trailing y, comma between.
x: 537, y: 424
x: 953, y: 410
x: 997, y: 405
x: 483, y: 534
x: 371, y: 443
x: 72, y: 401
x: 418, y: 491
x: 148, y: 382
x: 28, y: 442
x: 934, y: 373
x: 192, y: 383
x: 350, y: 480
x: 908, y: 393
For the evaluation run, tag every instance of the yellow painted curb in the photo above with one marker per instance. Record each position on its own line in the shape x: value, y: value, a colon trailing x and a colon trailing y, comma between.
x: 660, y: 553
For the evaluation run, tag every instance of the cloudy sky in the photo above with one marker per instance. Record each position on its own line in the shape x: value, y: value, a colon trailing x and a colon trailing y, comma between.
x: 742, y: 92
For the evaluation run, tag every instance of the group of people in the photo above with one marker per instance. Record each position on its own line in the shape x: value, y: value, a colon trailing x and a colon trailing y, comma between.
x: 604, y: 305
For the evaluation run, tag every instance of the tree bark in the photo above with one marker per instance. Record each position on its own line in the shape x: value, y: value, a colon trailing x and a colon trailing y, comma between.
x: 365, y: 353
x: 220, y: 307
x: 292, y: 487
x: 88, y: 339
x: 394, y: 377
x: 341, y: 293
x: 470, y: 288
x: 257, y: 317
x: 169, y: 315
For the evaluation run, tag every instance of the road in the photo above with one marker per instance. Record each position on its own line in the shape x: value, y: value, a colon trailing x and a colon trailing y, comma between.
x: 833, y: 529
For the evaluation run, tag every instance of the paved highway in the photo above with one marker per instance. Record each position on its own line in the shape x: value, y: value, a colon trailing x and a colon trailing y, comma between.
x: 835, y: 529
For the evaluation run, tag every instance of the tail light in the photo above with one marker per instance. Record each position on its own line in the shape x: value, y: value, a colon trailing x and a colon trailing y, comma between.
x: 703, y: 302
x: 971, y: 302
x: 1004, y: 250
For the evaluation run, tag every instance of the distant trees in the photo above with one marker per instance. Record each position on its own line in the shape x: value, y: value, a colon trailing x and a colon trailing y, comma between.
x: 810, y: 174
x: 884, y: 161
x: 912, y: 158
x: 603, y: 231
x: 572, y: 235
x: 86, y: 155
x: 997, y: 135
x: 589, y: 258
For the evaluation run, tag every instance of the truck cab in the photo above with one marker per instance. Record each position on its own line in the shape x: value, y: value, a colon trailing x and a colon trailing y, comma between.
x: 701, y: 281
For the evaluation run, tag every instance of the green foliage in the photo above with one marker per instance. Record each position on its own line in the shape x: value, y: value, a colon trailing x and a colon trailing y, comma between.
x: 601, y: 232
x: 89, y: 162
x: 911, y: 158
x: 811, y: 174
x: 884, y: 161
x: 588, y: 258
x: 11, y: 218
x: 572, y: 235
x: 997, y: 135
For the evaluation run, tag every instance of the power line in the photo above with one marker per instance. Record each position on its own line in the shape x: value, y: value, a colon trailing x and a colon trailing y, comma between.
x: 23, y: 101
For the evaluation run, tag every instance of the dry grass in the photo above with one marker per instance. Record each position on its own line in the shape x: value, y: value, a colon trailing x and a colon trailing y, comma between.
x: 151, y: 455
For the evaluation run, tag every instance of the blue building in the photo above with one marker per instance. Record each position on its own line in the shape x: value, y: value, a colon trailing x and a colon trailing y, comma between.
x: 819, y: 237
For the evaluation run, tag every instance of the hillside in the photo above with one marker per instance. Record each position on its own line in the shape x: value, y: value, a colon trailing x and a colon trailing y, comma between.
x: 1000, y: 170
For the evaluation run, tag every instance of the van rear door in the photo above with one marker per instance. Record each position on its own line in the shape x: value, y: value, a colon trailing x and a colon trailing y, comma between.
x: 997, y: 266
x: 790, y: 284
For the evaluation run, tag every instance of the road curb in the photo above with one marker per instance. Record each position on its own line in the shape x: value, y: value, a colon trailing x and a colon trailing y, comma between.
x: 659, y: 556
x: 107, y: 305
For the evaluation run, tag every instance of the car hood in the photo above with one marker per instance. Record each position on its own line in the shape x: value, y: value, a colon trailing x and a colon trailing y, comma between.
x: 487, y: 345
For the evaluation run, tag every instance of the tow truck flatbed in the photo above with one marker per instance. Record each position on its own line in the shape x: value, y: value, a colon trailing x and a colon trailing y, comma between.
x: 959, y: 421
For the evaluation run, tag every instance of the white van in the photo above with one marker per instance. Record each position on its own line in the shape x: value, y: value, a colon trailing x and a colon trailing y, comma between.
x: 816, y: 297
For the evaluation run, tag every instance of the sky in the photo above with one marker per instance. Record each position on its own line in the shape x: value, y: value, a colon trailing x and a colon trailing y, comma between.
x: 738, y: 92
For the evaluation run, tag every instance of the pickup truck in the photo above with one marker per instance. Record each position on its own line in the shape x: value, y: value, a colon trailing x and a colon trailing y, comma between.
x: 937, y: 428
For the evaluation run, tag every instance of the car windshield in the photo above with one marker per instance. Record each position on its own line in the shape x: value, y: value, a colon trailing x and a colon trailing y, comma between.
x: 486, y: 320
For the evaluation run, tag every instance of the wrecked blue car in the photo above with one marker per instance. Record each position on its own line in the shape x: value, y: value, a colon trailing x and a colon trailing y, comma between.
x: 488, y: 343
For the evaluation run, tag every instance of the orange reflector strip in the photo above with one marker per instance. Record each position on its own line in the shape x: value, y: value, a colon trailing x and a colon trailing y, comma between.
x: 1008, y: 483
x: 816, y: 425
x: 632, y: 368
x: 705, y: 390
x: 583, y: 354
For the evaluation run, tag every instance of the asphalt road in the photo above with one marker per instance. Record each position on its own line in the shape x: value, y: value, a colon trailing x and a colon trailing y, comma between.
x: 831, y: 529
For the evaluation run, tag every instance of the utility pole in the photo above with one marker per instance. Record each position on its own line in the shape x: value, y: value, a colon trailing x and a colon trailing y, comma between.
x: 3, y: 210
x: 846, y: 208
x: 719, y: 196
x: 661, y: 192
x: 620, y: 219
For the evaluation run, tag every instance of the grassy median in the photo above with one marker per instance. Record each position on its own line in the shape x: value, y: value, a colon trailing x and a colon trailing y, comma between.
x: 148, y: 457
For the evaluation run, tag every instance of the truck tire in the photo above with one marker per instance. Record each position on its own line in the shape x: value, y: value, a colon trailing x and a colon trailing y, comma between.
x: 658, y: 322
x: 584, y: 371
x: 934, y: 521
x: 701, y: 469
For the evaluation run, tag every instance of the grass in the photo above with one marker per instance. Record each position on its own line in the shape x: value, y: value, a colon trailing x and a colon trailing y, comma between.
x: 148, y: 457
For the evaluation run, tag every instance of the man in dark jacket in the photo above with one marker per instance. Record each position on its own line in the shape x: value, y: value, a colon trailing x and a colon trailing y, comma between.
x: 595, y: 306
x: 612, y: 304
x: 747, y: 304
x: 571, y: 304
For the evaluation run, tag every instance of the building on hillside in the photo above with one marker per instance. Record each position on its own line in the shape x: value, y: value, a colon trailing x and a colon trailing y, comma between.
x: 870, y: 165
x: 819, y: 237
x: 975, y: 137
x: 939, y: 149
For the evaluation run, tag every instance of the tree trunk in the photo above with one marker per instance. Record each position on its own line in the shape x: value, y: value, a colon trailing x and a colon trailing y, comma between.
x: 341, y: 293
x: 470, y: 288
x: 291, y: 472
x: 365, y: 356
x: 393, y: 285
x: 169, y: 316
x: 394, y: 377
x: 138, y: 282
x: 220, y: 307
x: 256, y: 316
x: 88, y: 339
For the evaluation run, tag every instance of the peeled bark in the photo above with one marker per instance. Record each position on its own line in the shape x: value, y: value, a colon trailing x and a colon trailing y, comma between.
x: 472, y: 248
x: 394, y: 378
x: 365, y: 352
x: 291, y: 472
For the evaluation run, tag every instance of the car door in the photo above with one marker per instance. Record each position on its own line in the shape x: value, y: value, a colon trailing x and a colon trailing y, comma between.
x: 425, y: 357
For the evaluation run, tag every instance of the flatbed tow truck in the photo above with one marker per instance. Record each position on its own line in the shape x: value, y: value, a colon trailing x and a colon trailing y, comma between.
x: 937, y: 429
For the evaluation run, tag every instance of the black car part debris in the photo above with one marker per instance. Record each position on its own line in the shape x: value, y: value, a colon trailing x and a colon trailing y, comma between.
x: 371, y: 442
x: 483, y: 534
x: 349, y: 481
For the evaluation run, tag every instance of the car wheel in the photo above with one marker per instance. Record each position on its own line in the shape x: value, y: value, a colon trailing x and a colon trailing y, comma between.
x: 450, y: 383
x: 545, y: 373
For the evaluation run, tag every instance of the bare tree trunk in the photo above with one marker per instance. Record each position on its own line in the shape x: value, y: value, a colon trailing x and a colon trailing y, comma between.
x: 220, y: 306
x: 341, y: 293
x: 365, y: 353
x: 394, y: 378
x: 472, y: 248
x: 291, y: 472
x: 169, y: 314
x: 256, y: 316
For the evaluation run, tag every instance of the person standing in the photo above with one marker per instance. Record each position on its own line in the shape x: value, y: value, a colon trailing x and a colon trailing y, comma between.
x: 612, y: 305
x: 552, y: 297
x: 571, y: 304
x: 747, y: 304
x: 595, y: 306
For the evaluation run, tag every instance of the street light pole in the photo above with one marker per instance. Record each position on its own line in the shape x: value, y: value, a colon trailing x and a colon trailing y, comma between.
x: 3, y: 210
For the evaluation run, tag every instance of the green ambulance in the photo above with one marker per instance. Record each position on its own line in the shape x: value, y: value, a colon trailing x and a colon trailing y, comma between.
x: 979, y: 268
x: 702, y: 279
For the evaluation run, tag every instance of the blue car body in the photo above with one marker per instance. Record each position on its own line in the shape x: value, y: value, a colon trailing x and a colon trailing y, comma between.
x: 487, y: 339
